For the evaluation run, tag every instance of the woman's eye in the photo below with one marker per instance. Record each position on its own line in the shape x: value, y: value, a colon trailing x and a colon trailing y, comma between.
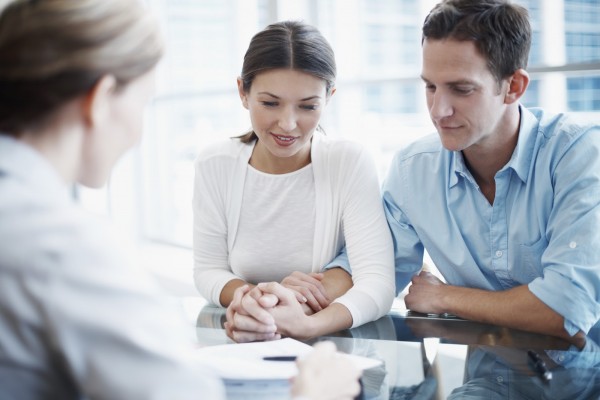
x: 269, y: 103
x: 309, y: 107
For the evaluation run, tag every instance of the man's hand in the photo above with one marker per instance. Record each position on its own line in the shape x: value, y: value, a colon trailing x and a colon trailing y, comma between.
x: 425, y: 294
x: 247, y: 317
x: 308, y: 289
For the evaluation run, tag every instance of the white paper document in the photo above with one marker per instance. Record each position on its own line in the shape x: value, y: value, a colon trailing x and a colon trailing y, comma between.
x: 244, y: 361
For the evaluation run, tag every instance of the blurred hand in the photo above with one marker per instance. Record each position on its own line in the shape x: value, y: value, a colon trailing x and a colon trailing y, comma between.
x: 325, y: 374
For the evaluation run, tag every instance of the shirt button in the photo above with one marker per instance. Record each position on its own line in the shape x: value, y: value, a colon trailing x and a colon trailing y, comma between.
x: 499, y: 253
x: 500, y: 379
x: 573, y: 245
x: 561, y: 358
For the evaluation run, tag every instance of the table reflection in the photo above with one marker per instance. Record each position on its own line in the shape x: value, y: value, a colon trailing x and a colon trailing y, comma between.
x: 471, y: 360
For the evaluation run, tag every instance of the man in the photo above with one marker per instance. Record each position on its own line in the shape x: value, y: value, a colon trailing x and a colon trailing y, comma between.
x: 506, y: 200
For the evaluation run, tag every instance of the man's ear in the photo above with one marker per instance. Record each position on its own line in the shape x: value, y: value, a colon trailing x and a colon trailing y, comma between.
x: 242, y: 93
x: 517, y: 84
x: 96, y: 102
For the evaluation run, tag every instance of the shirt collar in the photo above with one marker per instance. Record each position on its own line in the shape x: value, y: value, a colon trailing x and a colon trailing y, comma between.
x: 460, y: 169
x: 22, y: 162
x: 520, y: 160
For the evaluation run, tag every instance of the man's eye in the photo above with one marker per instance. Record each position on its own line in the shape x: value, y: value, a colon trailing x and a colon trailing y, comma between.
x: 461, y: 90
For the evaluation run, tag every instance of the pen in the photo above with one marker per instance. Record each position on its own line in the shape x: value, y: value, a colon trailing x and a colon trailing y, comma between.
x: 280, y: 358
x: 539, y: 366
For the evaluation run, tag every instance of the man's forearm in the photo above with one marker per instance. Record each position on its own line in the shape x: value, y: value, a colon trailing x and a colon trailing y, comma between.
x: 515, y: 308
x: 336, y: 282
x: 334, y: 318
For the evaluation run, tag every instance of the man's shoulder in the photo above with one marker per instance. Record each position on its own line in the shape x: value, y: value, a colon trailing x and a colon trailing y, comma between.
x: 428, y: 146
x: 561, y: 127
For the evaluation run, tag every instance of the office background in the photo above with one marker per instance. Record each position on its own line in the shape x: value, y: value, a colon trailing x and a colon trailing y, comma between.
x: 380, y: 99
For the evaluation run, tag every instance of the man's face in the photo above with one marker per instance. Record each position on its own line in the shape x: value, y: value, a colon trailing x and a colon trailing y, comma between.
x: 465, y: 102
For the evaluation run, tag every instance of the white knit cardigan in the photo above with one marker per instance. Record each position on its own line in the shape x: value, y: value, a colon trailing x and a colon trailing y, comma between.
x: 349, y: 212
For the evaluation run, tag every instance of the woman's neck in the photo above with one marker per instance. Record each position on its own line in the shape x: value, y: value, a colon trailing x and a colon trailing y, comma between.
x: 265, y: 161
x: 61, y: 145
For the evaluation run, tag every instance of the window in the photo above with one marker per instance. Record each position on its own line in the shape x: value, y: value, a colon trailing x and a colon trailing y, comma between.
x: 584, y: 93
x: 380, y: 98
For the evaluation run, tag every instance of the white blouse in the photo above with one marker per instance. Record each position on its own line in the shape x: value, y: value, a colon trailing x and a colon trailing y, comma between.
x: 277, y: 226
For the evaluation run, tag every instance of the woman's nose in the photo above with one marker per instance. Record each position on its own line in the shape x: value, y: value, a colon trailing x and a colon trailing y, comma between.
x: 287, y: 120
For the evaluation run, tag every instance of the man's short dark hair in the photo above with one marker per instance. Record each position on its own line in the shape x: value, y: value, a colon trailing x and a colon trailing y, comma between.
x: 500, y: 30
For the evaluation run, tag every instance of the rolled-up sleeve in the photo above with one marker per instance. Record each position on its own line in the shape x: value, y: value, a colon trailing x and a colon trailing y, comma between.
x: 570, y: 284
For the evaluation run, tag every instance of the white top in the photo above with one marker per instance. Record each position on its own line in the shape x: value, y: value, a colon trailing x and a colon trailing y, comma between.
x: 78, y: 320
x: 277, y: 226
x: 348, y: 211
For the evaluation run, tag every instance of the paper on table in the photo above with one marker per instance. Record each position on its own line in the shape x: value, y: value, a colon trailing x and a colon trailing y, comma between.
x: 245, y: 360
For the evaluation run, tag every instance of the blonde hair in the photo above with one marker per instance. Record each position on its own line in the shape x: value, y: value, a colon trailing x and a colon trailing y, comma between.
x: 52, y: 51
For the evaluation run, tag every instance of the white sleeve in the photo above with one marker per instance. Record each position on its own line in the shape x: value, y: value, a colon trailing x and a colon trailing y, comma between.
x: 211, y: 256
x: 117, y: 335
x: 368, y: 242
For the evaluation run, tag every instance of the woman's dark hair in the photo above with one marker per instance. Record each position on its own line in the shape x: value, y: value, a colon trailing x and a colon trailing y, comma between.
x: 292, y: 45
x: 500, y: 30
x: 53, y: 51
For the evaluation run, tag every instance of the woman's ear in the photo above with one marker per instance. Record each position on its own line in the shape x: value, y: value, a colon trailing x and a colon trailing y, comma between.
x: 517, y: 84
x: 96, y: 103
x: 331, y: 93
x: 242, y: 92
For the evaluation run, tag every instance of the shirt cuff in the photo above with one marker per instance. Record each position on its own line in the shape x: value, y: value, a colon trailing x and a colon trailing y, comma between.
x: 340, y: 261
x: 568, y: 299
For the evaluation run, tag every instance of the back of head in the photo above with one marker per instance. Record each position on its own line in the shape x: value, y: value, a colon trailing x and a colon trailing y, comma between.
x: 500, y: 30
x: 52, y: 51
x: 289, y: 44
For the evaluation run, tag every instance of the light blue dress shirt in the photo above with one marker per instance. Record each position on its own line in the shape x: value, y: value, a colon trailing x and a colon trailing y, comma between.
x: 499, y: 373
x: 543, y: 229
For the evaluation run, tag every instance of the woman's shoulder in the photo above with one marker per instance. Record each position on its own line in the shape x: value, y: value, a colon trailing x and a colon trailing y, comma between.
x: 223, y: 151
x: 342, y: 159
x: 339, y: 147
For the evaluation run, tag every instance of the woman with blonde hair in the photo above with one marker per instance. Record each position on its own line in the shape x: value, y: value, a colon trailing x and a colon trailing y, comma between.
x: 78, y: 319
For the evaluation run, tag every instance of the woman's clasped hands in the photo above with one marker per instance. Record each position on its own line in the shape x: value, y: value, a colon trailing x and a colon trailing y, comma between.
x: 271, y: 310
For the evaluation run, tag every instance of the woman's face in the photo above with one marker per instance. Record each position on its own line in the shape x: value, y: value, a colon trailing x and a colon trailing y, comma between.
x: 285, y: 109
x: 117, y: 130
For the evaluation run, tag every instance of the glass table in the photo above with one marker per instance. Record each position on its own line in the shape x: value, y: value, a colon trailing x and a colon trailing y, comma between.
x: 437, y: 357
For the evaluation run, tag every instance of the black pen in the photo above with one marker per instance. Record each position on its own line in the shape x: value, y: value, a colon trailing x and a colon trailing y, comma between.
x: 280, y: 358
x: 539, y: 366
